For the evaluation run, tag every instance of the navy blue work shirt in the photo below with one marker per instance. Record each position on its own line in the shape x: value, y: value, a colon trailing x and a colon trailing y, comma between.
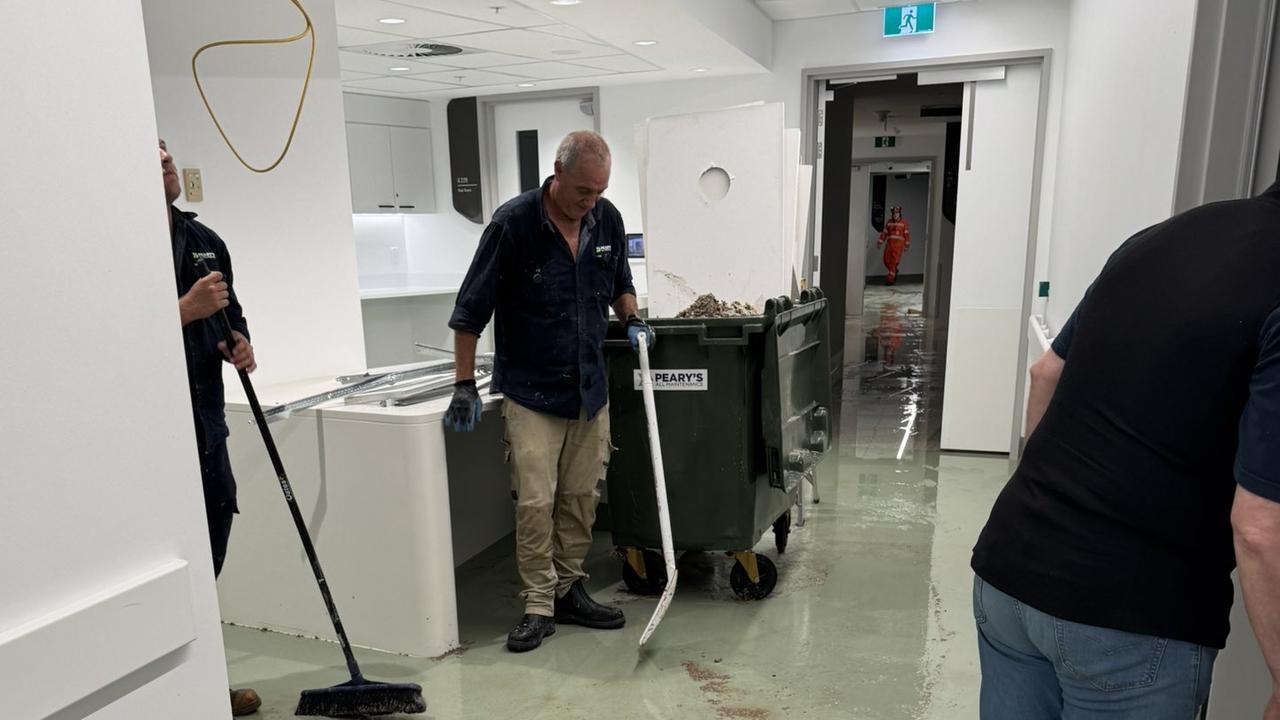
x: 193, y: 243
x: 551, y: 310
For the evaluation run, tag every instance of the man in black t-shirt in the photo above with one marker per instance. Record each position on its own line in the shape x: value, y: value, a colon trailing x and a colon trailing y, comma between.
x: 1152, y: 467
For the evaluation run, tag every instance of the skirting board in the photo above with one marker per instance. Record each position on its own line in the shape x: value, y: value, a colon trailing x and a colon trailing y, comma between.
x: 71, y: 653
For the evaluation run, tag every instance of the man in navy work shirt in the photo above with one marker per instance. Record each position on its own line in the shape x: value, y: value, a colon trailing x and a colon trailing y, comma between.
x: 549, y: 266
x: 1152, y: 469
x: 197, y: 250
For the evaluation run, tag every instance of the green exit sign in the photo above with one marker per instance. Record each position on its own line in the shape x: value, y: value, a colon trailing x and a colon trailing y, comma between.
x: 908, y: 20
x: 886, y: 141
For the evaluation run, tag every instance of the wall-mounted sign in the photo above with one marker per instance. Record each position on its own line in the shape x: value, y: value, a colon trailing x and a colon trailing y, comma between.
x: 464, y: 158
x: 909, y: 19
x: 886, y: 141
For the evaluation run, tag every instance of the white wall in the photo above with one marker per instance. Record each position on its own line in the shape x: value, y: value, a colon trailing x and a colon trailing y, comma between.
x: 553, y: 118
x: 98, y: 463
x: 963, y: 29
x: 289, y: 230
x: 1121, y: 124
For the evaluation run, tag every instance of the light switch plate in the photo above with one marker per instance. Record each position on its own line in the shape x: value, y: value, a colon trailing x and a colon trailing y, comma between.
x: 192, y: 185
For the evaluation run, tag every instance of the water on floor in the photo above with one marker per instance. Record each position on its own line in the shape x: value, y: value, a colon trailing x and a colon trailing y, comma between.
x: 870, y: 620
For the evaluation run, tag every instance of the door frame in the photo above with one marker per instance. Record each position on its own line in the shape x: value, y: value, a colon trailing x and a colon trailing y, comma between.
x: 488, y: 133
x: 932, y: 236
x: 813, y: 84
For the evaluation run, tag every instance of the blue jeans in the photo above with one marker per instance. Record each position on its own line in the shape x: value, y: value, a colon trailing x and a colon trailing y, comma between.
x: 1039, y: 667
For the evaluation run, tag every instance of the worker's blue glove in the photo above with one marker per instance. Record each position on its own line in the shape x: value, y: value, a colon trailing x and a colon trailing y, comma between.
x: 465, y: 410
x: 635, y: 326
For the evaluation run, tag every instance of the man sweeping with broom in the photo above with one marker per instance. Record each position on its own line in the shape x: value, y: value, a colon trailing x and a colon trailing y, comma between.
x: 200, y: 299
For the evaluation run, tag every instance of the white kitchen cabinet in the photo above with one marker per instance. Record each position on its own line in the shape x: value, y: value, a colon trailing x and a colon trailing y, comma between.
x: 390, y: 169
x: 411, y: 169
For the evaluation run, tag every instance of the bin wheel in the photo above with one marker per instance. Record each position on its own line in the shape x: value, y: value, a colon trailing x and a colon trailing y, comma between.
x: 748, y: 590
x: 655, y: 570
x: 782, y: 532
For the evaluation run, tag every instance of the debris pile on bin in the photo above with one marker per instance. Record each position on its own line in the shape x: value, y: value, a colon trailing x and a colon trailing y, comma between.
x: 709, y: 306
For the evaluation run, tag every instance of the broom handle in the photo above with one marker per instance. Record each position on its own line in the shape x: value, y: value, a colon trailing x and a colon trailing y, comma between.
x: 285, y: 487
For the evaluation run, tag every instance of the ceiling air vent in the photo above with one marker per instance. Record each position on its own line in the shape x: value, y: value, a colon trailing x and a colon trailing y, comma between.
x: 409, y: 49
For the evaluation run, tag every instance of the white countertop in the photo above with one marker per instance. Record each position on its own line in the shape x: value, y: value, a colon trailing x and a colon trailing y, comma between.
x: 281, y: 393
x: 378, y: 287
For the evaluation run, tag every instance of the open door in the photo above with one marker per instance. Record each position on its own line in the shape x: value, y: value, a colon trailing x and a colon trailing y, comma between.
x: 993, y: 216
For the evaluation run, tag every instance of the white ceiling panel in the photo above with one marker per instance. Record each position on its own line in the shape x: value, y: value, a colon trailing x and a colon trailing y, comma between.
x: 418, y: 23
x: 565, y: 31
x: 619, y: 63
x: 797, y: 9
x: 348, y: 36
x: 359, y: 62
x: 474, y: 78
x: 400, y: 85
x: 551, y: 70
x: 511, y: 14
x: 474, y: 60
x: 530, y: 44
x: 348, y: 75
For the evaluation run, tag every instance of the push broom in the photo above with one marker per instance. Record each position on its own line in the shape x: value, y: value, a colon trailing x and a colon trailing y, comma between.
x: 358, y: 697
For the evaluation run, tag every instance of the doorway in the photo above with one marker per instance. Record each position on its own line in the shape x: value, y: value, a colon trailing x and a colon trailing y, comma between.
x: 520, y: 134
x: 974, y: 296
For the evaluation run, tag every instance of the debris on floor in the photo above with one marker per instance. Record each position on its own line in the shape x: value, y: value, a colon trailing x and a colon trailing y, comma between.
x: 710, y: 306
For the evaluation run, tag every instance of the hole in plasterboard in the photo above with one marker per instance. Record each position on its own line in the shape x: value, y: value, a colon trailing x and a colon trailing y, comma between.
x: 714, y: 184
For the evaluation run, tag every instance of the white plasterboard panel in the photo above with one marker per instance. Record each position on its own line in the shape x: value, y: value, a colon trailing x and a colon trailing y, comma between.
x: 804, y: 197
x: 359, y: 62
x: 511, y: 14
x: 566, y: 31
x: 790, y: 199
x: 474, y: 60
x: 348, y: 36
x: 401, y: 85
x: 530, y: 44
x: 550, y: 70
x: 418, y: 23
x: 732, y: 247
x: 618, y: 63
x: 472, y: 78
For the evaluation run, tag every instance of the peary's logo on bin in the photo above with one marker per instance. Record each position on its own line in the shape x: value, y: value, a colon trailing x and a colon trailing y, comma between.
x: 675, y: 379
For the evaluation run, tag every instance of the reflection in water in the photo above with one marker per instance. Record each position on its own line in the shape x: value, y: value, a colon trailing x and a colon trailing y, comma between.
x: 892, y: 394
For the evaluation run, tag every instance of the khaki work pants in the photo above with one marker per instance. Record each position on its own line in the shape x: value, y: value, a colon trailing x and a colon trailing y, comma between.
x: 557, y: 466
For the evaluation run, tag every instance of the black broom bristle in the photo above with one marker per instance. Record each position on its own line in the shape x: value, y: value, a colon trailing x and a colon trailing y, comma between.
x: 362, y: 698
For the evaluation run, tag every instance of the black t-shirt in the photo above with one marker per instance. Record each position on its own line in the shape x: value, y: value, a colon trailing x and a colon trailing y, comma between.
x: 1119, y: 513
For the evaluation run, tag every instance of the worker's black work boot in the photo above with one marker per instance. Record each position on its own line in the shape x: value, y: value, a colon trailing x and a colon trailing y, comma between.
x: 244, y: 702
x: 529, y: 633
x: 577, y: 608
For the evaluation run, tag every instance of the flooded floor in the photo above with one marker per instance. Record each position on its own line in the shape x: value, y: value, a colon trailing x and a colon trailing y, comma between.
x: 870, y: 619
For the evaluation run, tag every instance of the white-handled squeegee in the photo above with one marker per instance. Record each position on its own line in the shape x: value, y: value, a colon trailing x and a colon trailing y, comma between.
x: 660, y: 490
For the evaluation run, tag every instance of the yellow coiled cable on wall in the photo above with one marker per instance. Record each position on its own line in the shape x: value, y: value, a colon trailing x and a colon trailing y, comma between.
x: 308, y: 30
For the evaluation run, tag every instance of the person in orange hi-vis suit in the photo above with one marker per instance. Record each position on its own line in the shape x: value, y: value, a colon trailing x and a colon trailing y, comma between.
x: 896, y: 239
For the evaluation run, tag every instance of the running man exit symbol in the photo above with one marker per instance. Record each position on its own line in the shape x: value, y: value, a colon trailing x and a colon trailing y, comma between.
x: 908, y: 20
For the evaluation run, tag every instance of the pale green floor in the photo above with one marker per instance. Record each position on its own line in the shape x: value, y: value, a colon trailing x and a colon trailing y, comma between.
x: 870, y: 619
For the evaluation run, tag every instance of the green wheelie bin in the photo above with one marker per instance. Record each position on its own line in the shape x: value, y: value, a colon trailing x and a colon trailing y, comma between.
x: 743, y: 406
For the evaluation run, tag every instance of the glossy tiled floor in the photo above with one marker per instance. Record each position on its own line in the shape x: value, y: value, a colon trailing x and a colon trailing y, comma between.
x: 870, y: 619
